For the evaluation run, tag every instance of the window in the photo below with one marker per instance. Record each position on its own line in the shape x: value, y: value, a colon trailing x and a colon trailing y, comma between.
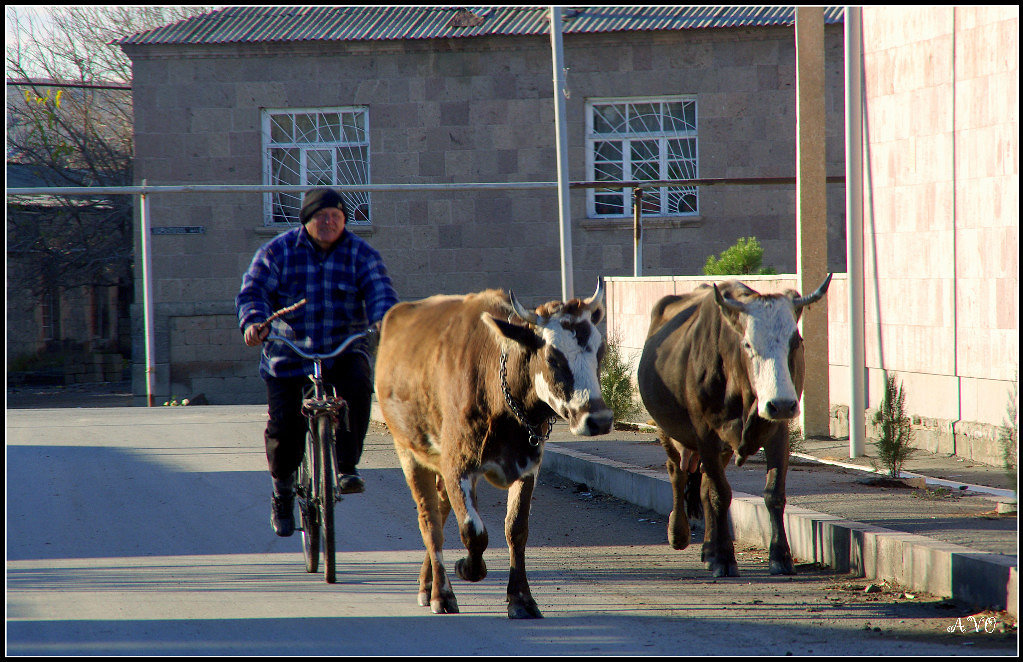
x: 315, y: 147
x: 101, y: 307
x: 642, y: 139
x: 49, y: 327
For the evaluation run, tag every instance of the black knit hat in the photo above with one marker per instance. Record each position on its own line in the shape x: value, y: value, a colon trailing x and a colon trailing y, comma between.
x: 321, y: 198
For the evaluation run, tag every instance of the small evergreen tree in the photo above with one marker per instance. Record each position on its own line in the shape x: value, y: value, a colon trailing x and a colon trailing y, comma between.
x: 616, y: 381
x: 894, y: 430
x: 797, y: 442
x: 743, y: 258
x: 1008, y: 434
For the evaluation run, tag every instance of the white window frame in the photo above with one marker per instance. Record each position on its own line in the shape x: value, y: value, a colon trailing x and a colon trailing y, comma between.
x: 658, y: 202
x: 287, y: 205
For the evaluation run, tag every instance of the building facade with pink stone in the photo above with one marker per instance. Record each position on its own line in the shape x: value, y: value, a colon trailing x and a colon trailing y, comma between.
x: 941, y: 229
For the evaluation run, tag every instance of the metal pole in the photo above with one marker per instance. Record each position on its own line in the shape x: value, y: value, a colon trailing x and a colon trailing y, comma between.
x: 854, y: 226
x: 561, y: 135
x: 397, y: 188
x: 637, y: 231
x: 147, y: 293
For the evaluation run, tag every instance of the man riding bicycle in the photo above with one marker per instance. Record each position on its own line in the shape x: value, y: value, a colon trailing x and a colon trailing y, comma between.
x: 347, y: 290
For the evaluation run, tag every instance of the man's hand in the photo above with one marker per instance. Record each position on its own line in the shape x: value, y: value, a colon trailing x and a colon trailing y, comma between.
x: 254, y: 336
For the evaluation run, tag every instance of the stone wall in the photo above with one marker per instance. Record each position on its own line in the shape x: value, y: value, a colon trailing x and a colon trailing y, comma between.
x: 942, y: 212
x: 935, y: 411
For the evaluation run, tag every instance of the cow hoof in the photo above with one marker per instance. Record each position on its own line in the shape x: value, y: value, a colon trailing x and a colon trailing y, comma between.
x: 424, y: 598
x: 782, y: 568
x: 444, y: 605
x: 469, y: 571
x: 523, y: 610
x: 678, y: 537
x: 723, y: 569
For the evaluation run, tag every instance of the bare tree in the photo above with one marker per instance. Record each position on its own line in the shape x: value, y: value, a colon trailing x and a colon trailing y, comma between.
x: 69, y: 123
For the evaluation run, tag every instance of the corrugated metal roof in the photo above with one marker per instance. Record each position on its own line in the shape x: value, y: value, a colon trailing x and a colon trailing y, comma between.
x: 270, y: 24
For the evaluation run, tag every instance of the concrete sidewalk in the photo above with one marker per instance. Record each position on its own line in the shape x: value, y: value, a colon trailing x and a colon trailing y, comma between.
x: 939, y: 539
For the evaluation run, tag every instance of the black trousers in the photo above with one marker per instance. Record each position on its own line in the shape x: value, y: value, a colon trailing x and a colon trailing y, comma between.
x: 352, y: 378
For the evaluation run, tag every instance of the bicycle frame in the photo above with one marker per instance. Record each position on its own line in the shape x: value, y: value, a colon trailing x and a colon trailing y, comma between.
x: 321, y: 403
x: 320, y: 461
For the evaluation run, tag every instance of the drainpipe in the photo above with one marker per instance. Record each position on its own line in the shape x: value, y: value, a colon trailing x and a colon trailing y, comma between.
x: 854, y: 225
x: 147, y: 292
x: 561, y: 135
x: 955, y: 255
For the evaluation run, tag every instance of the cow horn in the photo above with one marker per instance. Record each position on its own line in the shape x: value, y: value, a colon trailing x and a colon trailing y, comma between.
x: 521, y: 311
x: 729, y: 302
x: 799, y: 302
x: 597, y: 299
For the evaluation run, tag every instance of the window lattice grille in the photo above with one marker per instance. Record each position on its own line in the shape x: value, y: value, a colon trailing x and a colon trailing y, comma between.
x: 318, y: 147
x: 643, y: 139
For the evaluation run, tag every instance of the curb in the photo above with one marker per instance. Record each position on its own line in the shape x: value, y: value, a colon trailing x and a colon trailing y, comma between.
x: 983, y: 580
x: 992, y: 493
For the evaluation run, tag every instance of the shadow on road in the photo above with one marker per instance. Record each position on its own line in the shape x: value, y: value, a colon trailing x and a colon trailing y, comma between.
x: 95, y: 502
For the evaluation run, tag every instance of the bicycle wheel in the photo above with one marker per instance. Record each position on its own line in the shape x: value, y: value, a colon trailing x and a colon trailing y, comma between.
x: 307, y: 505
x: 327, y: 478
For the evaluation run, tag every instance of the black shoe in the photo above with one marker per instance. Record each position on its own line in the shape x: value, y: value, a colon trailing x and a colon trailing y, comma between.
x: 282, y: 514
x: 350, y: 483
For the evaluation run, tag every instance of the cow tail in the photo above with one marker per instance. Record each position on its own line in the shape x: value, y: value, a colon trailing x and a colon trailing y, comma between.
x: 691, y: 493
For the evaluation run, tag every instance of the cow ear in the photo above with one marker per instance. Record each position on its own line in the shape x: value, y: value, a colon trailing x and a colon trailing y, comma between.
x: 730, y: 310
x: 793, y: 295
x: 522, y: 335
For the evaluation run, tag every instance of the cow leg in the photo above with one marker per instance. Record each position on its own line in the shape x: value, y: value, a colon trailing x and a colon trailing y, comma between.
x: 718, y: 550
x: 462, y: 494
x: 433, y: 580
x: 691, y: 493
x: 426, y: 572
x: 678, y: 520
x: 516, y: 530
x: 776, y: 452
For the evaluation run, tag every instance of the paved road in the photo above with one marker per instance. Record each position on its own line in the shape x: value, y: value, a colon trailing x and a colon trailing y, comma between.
x: 144, y: 531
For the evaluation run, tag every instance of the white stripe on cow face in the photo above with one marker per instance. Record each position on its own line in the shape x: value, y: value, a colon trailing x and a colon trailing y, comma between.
x: 769, y: 328
x: 569, y: 382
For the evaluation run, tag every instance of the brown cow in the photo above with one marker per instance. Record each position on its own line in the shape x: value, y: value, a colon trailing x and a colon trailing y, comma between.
x: 467, y: 392
x: 721, y: 373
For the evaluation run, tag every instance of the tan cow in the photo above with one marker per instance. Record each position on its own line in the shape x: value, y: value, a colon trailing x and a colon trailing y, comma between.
x: 721, y: 373
x: 469, y: 386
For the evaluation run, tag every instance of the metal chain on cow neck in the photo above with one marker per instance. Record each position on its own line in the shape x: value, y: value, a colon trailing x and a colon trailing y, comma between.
x: 535, y: 436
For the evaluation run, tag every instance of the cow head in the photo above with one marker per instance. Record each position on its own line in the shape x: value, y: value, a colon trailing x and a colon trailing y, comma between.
x: 771, y: 343
x: 565, y: 350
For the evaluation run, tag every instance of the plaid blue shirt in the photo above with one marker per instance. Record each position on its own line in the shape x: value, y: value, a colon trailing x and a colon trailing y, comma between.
x: 346, y: 289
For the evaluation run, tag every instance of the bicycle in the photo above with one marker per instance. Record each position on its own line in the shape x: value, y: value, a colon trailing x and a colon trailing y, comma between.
x: 316, y: 476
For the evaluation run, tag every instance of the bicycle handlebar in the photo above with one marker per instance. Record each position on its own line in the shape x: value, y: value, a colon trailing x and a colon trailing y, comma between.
x: 345, y: 344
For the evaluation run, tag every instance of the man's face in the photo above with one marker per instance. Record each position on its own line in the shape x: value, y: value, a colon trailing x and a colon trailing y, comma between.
x: 325, y: 226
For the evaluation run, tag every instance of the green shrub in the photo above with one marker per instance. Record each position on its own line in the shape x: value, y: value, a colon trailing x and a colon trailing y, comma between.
x: 1008, y: 434
x: 616, y: 381
x: 894, y: 429
x: 743, y: 258
x: 797, y: 442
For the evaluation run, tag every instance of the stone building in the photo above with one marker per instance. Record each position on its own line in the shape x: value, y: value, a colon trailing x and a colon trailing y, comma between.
x: 67, y: 321
x: 417, y: 95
